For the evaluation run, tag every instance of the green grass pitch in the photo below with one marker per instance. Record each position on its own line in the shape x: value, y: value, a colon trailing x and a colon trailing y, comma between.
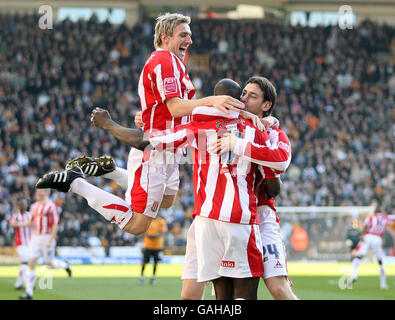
x: 312, y: 281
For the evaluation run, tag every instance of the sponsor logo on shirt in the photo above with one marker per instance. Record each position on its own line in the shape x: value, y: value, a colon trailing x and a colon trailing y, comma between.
x: 227, y: 264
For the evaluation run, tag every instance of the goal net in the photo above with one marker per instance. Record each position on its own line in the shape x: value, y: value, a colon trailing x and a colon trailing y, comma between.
x: 320, y: 233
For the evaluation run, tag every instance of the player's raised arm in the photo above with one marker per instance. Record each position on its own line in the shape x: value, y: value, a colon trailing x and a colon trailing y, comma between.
x: 181, y: 107
x: 171, y: 140
x: 101, y: 118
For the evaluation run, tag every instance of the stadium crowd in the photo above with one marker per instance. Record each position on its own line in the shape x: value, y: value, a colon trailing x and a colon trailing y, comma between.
x: 335, y: 88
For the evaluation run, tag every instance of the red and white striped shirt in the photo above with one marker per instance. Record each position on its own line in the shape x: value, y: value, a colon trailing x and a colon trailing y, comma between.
x: 22, y: 234
x: 276, y: 135
x: 45, y: 216
x: 223, y: 191
x: 275, y: 154
x: 164, y: 76
x: 377, y: 223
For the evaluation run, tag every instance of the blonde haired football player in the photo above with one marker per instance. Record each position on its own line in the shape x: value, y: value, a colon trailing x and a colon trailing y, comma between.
x: 165, y: 25
x: 166, y: 95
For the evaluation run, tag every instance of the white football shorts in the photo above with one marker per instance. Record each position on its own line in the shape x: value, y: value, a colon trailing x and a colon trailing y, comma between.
x: 373, y: 242
x: 23, y: 253
x: 152, y: 174
x: 190, y: 269
x: 38, y: 248
x: 227, y: 249
x: 274, y: 254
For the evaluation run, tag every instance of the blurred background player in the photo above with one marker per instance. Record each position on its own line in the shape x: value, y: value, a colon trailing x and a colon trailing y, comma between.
x: 44, y: 221
x: 353, y: 235
x: 22, y: 239
x: 372, y: 238
x: 153, y: 244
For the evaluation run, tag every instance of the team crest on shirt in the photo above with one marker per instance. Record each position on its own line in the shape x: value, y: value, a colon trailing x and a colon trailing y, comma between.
x: 170, y: 85
x: 155, y: 206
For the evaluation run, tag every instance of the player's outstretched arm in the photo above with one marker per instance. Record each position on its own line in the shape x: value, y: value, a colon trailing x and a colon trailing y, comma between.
x: 101, y: 118
x: 182, y: 107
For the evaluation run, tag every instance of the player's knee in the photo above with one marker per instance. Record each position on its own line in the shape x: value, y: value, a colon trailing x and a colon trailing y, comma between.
x: 138, y: 224
x: 280, y: 289
x: 246, y: 288
x: 223, y: 295
x: 135, y: 230
x: 167, y: 201
x: 192, y: 290
x: 32, y: 264
x: 190, y: 295
x: 282, y: 292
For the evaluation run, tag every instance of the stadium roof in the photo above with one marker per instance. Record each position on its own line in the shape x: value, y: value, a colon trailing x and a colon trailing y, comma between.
x: 379, y: 10
x: 272, y: 3
x: 288, y: 4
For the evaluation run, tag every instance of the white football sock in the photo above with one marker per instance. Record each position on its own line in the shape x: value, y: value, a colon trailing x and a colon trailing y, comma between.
x: 120, y: 176
x: 382, y: 274
x: 21, y: 276
x: 355, y: 264
x: 30, y: 279
x: 112, y: 208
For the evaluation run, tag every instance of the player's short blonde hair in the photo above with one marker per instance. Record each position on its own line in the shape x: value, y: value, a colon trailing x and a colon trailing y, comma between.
x: 166, y: 23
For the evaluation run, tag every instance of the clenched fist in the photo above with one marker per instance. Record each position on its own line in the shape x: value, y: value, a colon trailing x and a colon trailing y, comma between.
x: 101, y: 118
